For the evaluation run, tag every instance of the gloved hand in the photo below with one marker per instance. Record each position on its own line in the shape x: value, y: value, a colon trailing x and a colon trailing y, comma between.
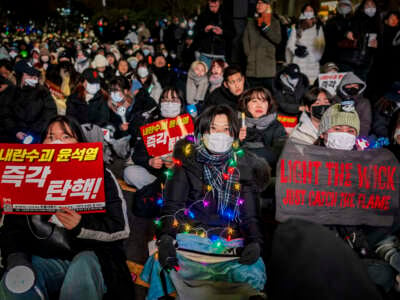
x: 301, y: 51
x: 19, y: 276
x: 250, y: 254
x: 167, y: 252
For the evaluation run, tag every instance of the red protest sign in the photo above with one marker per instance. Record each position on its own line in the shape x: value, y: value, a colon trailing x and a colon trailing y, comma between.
x: 160, y: 137
x: 40, y: 179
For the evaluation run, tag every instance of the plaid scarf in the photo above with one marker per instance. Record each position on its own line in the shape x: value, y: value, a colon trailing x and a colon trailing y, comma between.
x: 214, y: 166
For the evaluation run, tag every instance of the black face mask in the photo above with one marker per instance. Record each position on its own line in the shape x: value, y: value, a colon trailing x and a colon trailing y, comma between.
x: 318, y: 111
x: 353, y: 91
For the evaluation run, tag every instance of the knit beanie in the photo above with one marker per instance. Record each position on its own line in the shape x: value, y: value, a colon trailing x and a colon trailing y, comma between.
x: 99, y: 61
x: 339, y: 114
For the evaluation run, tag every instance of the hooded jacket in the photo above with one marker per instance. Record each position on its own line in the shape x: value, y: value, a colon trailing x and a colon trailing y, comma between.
x: 289, y: 100
x: 187, y: 186
x: 362, y: 105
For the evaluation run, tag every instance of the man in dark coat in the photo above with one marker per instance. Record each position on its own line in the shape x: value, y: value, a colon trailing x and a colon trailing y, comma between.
x: 212, y: 31
x: 232, y: 88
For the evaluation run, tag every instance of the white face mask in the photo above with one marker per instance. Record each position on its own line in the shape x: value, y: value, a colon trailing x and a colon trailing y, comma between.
x: 92, y: 88
x: 309, y: 14
x: 396, y: 134
x: 117, y: 97
x: 344, y: 10
x: 31, y: 82
x: 57, y: 142
x: 218, y: 142
x: 170, y: 109
x: 370, y: 11
x: 143, y: 72
x: 341, y: 141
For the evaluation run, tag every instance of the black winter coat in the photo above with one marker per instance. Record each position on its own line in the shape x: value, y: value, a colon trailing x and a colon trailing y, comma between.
x: 7, y: 123
x: 95, y: 111
x: 187, y: 186
x: 267, y: 143
x: 209, y: 42
x: 32, y: 108
x: 222, y: 95
x: 361, y: 25
x: 289, y: 101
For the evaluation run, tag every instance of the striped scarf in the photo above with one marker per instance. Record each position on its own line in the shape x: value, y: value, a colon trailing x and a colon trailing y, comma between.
x: 214, y: 166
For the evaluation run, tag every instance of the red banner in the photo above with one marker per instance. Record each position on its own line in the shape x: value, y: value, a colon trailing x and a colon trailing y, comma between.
x: 40, y: 179
x: 160, y: 137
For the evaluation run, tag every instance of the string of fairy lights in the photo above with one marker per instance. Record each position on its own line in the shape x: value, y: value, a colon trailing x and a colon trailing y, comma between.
x: 181, y: 216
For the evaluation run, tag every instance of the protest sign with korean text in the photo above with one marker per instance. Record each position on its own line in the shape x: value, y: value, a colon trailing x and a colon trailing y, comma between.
x: 42, y: 178
x: 330, y: 81
x: 160, y: 137
x: 337, y: 187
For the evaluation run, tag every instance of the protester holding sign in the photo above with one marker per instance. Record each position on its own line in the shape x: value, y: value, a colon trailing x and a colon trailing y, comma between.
x: 261, y: 132
x: 147, y: 173
x: 289, y: 87
x: 316, y: 102
x: 355, y: 191
x: 68, y: 255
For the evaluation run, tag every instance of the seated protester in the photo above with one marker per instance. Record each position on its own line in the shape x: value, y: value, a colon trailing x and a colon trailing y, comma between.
x: 6, y: 70
x: 394, y: 134
x: 142, y: 104
x: 215, y: 211
x: 32, y: 106
x: 148, y: 80
x: 384, y: 110
x: 316, y: 102
x: 163, y: 71
x: 7, y: 93
x: 88, y: 103
x: 339, y: 129
x: 82, y: 61
x: 84, y: 259
x: 351, y: 90
x: 125, y: 69
x: 232, y: 88
x: 111, y: 60
x: 216, y: 76
x: 119, y: 101
x: 289, y: 88
x: 197, y: 84
x: 262, y: 134
x: 146, y: 174
x: 100, y: 64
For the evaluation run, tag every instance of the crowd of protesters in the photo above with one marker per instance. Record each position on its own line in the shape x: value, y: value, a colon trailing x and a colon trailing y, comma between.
x: 254, y: 80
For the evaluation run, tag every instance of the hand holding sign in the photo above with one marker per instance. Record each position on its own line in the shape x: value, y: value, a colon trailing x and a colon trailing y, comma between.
x: 156, y: 162
x: 68, y: 217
